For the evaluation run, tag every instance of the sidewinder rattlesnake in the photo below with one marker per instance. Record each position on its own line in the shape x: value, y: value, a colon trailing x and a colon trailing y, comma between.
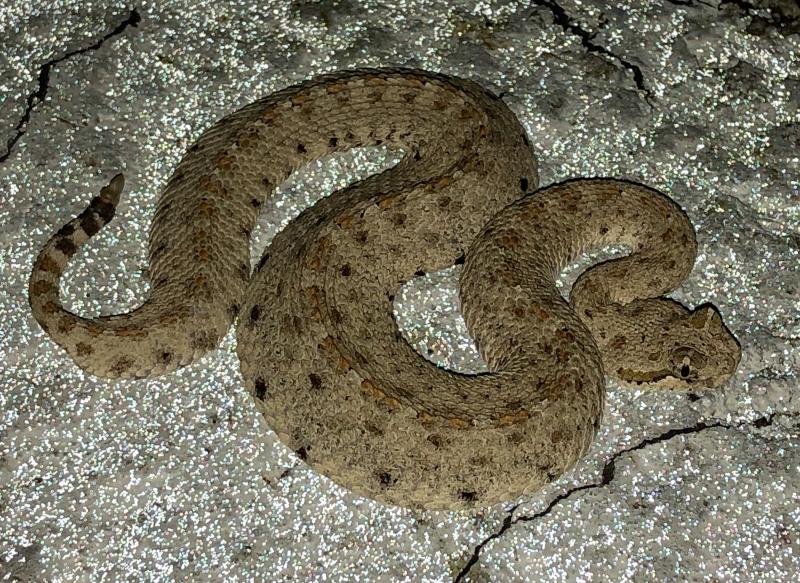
x: 320, y: 351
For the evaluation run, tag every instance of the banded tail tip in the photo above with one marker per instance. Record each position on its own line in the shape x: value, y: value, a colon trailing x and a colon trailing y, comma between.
x: 111, y: 193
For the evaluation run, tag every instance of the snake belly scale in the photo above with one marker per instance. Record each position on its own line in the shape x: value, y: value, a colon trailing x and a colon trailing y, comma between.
x: 320, y: 351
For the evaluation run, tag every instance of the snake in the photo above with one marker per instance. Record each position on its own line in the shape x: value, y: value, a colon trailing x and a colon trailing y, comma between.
x: 317, y: 341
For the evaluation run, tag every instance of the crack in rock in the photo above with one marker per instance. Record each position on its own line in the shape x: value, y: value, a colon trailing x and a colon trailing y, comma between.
x: 561, y: 18
x: 608, y: 472
x: 39, y: 95
x: 690, y: 3
x: 25, y: 564
x: 785, y: 16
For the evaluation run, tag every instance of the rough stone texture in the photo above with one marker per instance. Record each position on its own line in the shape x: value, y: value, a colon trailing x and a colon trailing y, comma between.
x: 172, y: 478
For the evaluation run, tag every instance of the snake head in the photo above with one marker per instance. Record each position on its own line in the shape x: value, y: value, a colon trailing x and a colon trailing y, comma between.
x: 662, y: 344
x: 705, y: 354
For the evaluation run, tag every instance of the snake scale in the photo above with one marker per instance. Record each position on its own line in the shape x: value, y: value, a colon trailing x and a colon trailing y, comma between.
x: 319, y: 348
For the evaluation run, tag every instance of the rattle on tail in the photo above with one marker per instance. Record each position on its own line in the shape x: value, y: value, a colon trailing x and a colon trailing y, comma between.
x: 43, y: 284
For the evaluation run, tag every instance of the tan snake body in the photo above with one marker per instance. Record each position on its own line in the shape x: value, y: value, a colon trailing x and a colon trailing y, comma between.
x: 319, y: 348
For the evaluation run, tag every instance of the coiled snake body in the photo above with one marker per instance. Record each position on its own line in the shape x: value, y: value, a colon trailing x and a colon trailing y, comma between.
x: 320, y: 351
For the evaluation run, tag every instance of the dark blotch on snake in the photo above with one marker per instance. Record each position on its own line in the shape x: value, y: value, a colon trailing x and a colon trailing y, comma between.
x: 261, y: 389
x: 386, y: 479
x: 89, y: 223
x: 83, y: 349
x: 66, y: 230
x: 66, y: 246
x: 103, y: 208
x: 468, y: 495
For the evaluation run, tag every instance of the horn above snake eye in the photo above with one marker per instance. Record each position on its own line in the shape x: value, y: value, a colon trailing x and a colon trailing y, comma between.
x: 704, y: 317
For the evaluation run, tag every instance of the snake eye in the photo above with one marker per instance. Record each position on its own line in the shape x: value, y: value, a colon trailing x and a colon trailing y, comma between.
x: 686, y: 362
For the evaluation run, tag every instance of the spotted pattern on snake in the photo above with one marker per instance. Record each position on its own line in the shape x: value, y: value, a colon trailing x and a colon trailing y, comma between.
x: 320, y: 351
